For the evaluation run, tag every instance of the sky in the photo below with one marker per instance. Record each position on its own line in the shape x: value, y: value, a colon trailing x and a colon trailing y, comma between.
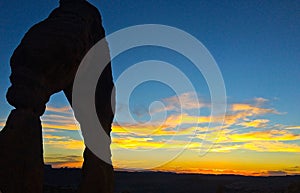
x: 256, y: 45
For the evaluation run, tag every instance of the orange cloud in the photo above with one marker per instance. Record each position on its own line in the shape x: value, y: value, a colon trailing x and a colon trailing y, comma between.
x: 272, y: 135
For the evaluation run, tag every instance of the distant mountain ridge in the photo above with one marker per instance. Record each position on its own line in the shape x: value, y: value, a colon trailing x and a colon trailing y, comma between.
x: 65, y: 180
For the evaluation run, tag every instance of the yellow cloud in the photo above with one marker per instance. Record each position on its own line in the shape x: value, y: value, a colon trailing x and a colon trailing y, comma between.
x: 65, y: 144
x: 251, y: 109
x: 140, y: 129
x: 272, y: 135
x: 72, y: 127
x: 65, y: 109
x: 272, y: 146
x: 175, y: 120
x: 258, y: 123
x: 47, y: 136
x: 135, y: 143
x: 153, y: 130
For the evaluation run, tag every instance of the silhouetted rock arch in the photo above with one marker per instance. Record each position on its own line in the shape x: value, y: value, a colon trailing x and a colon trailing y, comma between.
x: 45, y: 62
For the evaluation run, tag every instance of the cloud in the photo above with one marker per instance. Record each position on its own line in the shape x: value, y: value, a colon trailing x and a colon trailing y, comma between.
x: 185, y: 101
x: 294, y: 127
x: 251, y: 109
x: 260, y: 101
x: 271, y: 146
x: 257, y: 123
x: 176, y: 120
x: 138, y: 130
x: 70, y: 127
x: 64, y: 109
x: 225, y: 148
x: 47, y: 136
x: 62, y: 142
x: 276, y: 173
x: 269, y: 135
x: 237, y: 112
x: 243, y: 111
x: 60, y: 118
x: 68, y: 144
x: 179, y: 103
x: 258, y: 146
x: 293, y: 169
x: 135, y: 143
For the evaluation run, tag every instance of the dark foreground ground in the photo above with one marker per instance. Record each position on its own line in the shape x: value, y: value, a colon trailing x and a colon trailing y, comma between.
x: 66, y: 181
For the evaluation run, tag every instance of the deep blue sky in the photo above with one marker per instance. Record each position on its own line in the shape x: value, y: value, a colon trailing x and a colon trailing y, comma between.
x: 256, y: 44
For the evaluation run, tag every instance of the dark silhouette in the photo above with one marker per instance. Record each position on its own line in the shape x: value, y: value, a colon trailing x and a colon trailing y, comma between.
x: 64, y: 180
x: 45, y: 63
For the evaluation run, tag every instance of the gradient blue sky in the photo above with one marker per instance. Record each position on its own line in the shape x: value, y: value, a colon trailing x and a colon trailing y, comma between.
x: 255, y: 43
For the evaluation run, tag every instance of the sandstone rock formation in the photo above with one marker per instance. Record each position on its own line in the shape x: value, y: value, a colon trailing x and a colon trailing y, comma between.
x: 44, y: 63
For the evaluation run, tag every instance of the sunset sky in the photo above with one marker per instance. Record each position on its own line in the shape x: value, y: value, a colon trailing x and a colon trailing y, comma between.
x: 256, y: 45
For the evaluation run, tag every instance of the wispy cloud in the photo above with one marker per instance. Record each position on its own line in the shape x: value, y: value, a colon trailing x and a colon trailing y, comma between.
x: 294, y: 127
x: 64, y: 109
x: 185, y: 101
x: 66, y: 143
x: 257, y: 123
x: 268, y: 135
x: 71, y: 127
x: 272, y: 146
x: 59, y: 118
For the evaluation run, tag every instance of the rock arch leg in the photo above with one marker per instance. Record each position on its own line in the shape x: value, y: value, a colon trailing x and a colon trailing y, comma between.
x: 21, y: 147
x: 97, y: 176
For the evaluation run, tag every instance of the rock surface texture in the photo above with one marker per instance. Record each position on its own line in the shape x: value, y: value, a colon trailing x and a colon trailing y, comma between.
x: 45, y: 63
